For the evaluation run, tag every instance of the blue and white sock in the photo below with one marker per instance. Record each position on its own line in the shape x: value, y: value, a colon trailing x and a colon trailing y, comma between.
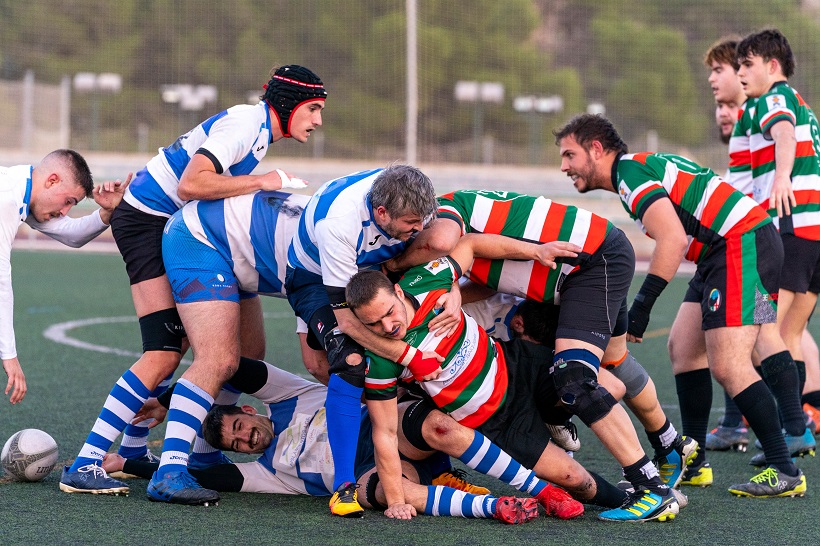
x: 189, y: 405
x: 446, y: 501
x: 135, y: 436
x: 123, y: 402
x: 487, y: 458
x: 204, y: 453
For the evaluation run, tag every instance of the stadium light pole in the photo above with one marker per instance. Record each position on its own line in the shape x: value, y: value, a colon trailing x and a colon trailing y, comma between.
x: 412, y: 83
x: 97, y: 84
x: 188, y: 98
x: 479, y: 93
x: 535, y: 108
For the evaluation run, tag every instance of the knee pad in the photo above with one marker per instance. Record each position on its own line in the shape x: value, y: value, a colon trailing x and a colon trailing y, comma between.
x: 162, y: 331
x: 578, y: 390
x: 631, y: 374
x: 370, y: 492
x: 339, y: 347
x: 412, y: 422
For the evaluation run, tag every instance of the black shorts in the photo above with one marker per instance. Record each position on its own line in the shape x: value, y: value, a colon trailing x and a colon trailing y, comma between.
x: 518, y: 426
x: 736, y: 282
x: 594, y: 296
x: 139, y: 239
x: 801, y: 266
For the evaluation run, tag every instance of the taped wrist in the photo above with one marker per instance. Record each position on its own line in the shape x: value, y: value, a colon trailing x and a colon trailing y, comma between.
x: 651, y: 288
x: 419, y: 366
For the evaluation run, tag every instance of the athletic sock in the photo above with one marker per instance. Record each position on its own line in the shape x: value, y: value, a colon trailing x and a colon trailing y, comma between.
x: 344, y: 414
x: 446, y: 501
x: 758, y: 406
x: 189, y: 405
x: 203, y: 452
x: 487, y: 458
x: 644, y: 475
x: 135, y: 436
x: 663, y: 439
x: 732, y: 418
x: 780, y: 374
x: 801, y: 374
x: 123, y: 402
x: 606, y: 494
x: 695, y: 399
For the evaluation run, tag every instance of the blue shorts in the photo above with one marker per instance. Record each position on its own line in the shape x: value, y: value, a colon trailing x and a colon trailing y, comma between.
x: 306, y: 292
x: 196, y: 271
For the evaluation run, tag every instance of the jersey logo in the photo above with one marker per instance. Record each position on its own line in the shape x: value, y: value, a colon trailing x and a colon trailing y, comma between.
x: 775, y: 102
x: 623, y: 191
x: 260, y: 148
x: 374, y: 240
x: 438, y: 265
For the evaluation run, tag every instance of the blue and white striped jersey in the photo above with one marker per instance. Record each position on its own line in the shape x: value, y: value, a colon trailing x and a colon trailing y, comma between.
x: 252, y: 232
x: 298, y: 460
x: 494, y: 314
x: 235, y: 139
x: 338, y: 235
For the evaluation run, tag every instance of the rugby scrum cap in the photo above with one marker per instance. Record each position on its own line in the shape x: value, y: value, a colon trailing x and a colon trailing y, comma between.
x: 289, y: 87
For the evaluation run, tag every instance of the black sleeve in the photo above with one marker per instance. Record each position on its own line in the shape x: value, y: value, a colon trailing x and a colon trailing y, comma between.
x: 336, y: 295
x: 212, y: 157
x: 250, y: 376
x: 221, y: 477
x: 165, y: 398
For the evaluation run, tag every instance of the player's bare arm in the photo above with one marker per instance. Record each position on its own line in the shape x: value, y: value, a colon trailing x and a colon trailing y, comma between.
x: 201, y: 181
x: 662, y: 224
x: 384, y: 416
x: 785, y: 146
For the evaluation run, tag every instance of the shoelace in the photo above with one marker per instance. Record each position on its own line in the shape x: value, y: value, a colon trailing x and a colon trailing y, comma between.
x: 458, y: 474
x: 769, y: 475
x: 347, y: 493
x: 94, y: 469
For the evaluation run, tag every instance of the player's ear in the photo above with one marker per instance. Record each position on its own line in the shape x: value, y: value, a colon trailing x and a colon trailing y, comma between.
x: 52, y: 180
x: 250, y: 410
x: 596, y: 149
x: 399, y: 291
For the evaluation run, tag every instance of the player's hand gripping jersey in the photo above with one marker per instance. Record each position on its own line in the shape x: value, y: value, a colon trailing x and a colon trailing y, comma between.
x: 782, y: 103
x: 709, y: 208
x: 527, y: 218
x: 473, y: 383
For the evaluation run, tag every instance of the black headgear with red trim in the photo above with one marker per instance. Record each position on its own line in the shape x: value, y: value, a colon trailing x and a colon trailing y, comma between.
x: 290, y: 86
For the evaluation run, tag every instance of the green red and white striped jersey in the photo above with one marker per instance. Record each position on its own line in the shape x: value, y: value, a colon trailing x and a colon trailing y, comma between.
x: 473, y: 383
x: 740, y: 153
x: 782, y: 103
x: 528, y: 218
x: 708, y: 208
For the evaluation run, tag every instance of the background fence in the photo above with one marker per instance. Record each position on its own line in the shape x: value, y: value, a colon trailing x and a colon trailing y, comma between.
x: 531, y: 64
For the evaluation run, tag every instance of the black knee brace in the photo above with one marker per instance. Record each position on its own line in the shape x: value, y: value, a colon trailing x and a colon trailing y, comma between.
x: 338, y: 347
x: 578, y: 389
x: 162, y: 331
x: 412, y: 422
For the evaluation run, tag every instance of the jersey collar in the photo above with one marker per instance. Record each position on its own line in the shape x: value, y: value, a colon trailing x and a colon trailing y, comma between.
x: 614, y: 175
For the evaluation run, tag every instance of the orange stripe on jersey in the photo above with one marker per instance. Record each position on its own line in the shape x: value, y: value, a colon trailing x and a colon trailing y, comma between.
x: 682, y: 183
x: 472, y: 370
x: 426, y: 306
x: 538, y: 281
x: 641, y: 157
x: 752, y: 219
x: 811, y: 233
x: 763, y: 155
x: 804, y: 149
x: 715, y: 203
x: 733, y: 298
x: 596, y: 234
x: 480, y: 270
x: 553, y: 222
x: 497, y: 217
x: 806, y: 197
x: 693, y: 253
x: 496, y: 398
x: 741, y: 158
x: 639, y: 198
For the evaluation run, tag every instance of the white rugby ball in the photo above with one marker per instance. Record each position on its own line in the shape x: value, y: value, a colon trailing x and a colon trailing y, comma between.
x: 29, y: 455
